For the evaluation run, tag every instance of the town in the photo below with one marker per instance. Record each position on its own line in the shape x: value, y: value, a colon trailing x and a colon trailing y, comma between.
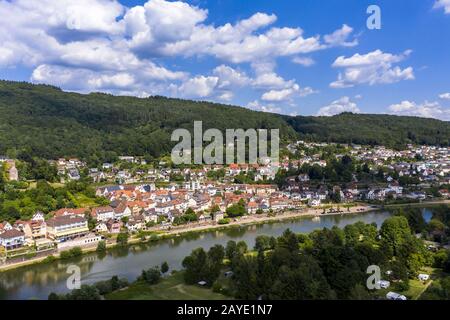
x: 139, y: 200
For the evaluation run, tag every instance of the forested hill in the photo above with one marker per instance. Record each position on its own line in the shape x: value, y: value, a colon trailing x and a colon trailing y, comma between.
x: 373, y: 129
x: 43, y: 121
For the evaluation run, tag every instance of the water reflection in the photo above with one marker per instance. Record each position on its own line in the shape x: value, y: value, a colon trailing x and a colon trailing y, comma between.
x: 38, y: 281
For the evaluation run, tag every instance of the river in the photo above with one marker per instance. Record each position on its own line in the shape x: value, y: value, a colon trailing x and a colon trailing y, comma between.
x: 37, y: 281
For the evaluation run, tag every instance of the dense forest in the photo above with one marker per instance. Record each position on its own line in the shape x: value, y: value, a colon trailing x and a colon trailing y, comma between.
x: 43, y: 121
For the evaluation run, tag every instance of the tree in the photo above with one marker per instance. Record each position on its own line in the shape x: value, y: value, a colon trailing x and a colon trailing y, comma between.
x: 122, y: 239
x: 101, y: 246
x: 241, y: 247
x: 85, y: 292
x: 262, y: 243
x: 236, y: 210
x: 194, y: 266
x: 230, y: 249
x: 394, y: 232
x: 53, y: 296
x: 151, y: 276
x: 164, y: 267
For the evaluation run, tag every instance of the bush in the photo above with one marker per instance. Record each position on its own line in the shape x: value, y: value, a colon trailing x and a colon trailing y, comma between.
x: 101, y: 246
x: 217, y: 287
x: 164, y: 267
x: 403, y: 286
x: 151, y: 276
x: 224, y: 221
x: 122, y: 239
x: 72, y: 253
x: 48, y: 259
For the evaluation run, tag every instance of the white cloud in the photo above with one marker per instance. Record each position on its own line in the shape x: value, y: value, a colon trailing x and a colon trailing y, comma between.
x: 257, y: 106
x: 230, y: 77
x: 340, y: 37
x: 226, y: 96
x: 445, y: 4
x: 343, y: 104
x: 304, y: 61
x: 372, y: 68
x: 199, y: 87
x: 445, y: 96
x: 102, y: 45
x: 287, y: 94
x: 424, y: 110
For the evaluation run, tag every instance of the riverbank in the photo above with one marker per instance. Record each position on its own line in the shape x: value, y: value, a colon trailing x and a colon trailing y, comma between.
x: 244, y: 221
x: 174, y: 232
x: 37, y: 281
x: 264, y: 218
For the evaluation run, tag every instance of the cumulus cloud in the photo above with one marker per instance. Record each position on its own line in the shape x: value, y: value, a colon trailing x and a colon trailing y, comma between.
x: 445, y: 96
x: 257, y: 106
x: 199, y: 87
x: 102, y: 45
x: 445, y: 4
x: 229, y: 77
x: 343, y: 104
x: 424, y: 110
x: 340, y: 37
x: 286, y: 94
x: 375, y: 67
x: 304, y: 61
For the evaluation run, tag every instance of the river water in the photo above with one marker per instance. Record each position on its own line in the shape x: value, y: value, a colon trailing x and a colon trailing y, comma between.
x: 37, y: 281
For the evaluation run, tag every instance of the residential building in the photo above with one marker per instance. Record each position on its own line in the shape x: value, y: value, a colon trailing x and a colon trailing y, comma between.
x: 66, y: 227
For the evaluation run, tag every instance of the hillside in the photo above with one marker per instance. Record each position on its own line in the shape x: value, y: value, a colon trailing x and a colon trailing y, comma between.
x: 43, y: 121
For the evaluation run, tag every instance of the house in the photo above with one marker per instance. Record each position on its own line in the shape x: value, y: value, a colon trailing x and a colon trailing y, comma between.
x: 303, y: 177
x: 12, y: 239
x: 150, y: 216
x: 314, y: 202
x: 13, y: 172
x: 135, y: 223
x: 73, y: 174
x: 204, y: 218
x: 66, y: 227
x: 113, y: 226
x: 395, y: 296
x: 107, y: 166
x: 103, y: 213
x: 252, y: 207
x: 35, y: 229
x: 101, y: 227
x: 70, y: 212
x: 5, y: 226
x: 122, y: 210
x: 38, y: 216
x: 218, y: 216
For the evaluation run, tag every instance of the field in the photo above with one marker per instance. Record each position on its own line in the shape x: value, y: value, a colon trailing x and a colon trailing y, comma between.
x: 416, y: 287
x: 170, y: 288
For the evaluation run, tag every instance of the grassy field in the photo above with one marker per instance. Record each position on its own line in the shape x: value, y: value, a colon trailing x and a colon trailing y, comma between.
x: 32, y: 184
x: 170, y: 288
x: 84, y: 201
x: 416, y: 287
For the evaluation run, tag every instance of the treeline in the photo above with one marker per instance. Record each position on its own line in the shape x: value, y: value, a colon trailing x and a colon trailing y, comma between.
x: 43, y: 121
x: 373, y: 129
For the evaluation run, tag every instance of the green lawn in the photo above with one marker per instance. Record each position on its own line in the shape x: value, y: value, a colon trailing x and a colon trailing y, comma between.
x: 84, y: 201
x: 170, y: 288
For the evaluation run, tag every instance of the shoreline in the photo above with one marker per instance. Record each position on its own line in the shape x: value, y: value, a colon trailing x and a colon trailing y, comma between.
x: 243, y: 221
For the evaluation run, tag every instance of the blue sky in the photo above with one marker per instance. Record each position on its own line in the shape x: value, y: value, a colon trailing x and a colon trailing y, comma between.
x: 292, y: 56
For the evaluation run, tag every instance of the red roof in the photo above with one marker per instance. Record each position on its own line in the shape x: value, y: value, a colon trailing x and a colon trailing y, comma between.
x: 69, y: 211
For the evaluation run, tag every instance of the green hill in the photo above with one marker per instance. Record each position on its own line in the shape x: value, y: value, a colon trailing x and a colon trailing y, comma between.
x: 44, y: 121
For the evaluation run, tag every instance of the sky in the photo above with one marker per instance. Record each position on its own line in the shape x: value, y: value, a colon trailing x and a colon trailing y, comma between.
x: 295, y: 57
